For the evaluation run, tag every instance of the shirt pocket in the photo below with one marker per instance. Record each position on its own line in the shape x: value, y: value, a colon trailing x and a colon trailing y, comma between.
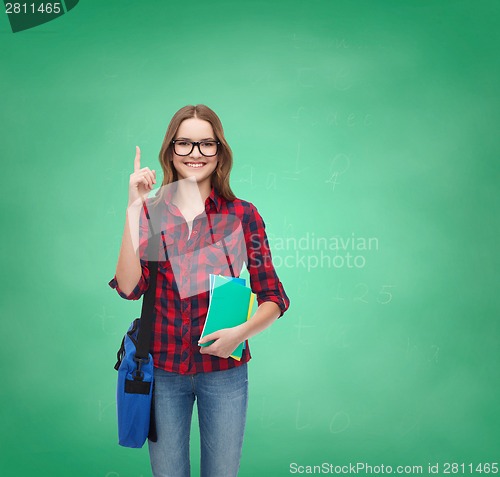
x: 214, y: 254
x: 212, y: 257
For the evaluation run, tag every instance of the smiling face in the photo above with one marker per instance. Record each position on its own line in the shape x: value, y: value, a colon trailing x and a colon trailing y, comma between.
x: 195, y: 164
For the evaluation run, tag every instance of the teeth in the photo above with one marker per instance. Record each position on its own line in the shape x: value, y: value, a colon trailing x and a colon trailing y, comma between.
x: 191, y: 164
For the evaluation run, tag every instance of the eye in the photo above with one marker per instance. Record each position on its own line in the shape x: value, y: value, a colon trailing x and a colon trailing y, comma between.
x: 182, y: 143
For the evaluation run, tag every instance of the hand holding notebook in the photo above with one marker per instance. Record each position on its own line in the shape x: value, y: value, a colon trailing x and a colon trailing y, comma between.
x: 231, y: 304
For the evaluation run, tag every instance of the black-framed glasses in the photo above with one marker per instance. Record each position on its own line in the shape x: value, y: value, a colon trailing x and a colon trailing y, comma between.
x: 182, y: 147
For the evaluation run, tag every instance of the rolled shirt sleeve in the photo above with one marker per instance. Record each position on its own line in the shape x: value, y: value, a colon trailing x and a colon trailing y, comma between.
x: 139, y: 289
x: 263, y: 278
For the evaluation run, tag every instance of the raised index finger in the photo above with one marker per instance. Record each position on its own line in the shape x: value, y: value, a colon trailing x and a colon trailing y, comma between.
x: 137, y: 160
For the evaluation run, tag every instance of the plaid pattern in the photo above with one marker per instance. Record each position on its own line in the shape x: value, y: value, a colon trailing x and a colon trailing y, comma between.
x: 182, y: 295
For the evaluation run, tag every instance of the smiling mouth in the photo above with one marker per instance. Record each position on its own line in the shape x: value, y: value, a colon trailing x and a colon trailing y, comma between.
x: 195, y: 165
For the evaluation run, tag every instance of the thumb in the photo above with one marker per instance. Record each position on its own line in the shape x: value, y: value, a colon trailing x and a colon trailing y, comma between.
x: 208, y: 337
x: 137, y: 160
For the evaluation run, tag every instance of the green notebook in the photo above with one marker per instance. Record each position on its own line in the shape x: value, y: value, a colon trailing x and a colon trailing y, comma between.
x: 230, y: 305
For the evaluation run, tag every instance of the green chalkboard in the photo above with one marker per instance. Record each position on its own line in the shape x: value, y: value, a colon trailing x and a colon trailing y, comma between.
x: 366, y: 134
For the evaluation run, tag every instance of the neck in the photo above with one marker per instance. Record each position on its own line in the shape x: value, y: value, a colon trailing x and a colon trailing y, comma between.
x: 191, y: 195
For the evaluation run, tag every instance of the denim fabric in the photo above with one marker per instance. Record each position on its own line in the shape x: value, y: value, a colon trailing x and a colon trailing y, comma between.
x: 222, y: 399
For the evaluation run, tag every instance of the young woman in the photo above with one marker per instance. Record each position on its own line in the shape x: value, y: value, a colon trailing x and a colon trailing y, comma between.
x: 205, y: 229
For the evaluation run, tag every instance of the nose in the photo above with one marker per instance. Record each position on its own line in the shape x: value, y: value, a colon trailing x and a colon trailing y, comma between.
x: 196, y: 153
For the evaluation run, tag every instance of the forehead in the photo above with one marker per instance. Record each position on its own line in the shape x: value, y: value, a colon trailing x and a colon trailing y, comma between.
x: 195, y: 128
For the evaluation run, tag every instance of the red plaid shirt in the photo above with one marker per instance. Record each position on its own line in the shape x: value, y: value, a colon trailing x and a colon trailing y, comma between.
x: 182, y: 294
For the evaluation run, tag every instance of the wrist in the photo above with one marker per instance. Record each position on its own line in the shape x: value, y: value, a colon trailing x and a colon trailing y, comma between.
x: 242, y: 332
x: 134, y: 206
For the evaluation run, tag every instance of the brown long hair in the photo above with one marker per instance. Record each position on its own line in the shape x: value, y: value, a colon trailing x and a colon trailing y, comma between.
x: 220, y: 176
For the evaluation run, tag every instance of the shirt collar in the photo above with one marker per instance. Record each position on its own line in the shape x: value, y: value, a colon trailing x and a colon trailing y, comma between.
x: 215, y: 198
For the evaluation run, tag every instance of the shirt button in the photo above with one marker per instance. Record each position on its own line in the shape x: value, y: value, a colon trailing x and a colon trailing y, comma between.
x: 195, y: 232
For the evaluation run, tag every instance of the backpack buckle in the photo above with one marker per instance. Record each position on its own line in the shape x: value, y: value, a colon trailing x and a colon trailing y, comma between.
x: 138, y: 375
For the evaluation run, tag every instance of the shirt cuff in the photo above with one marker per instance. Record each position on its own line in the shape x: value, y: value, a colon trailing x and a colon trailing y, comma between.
x: 135, y: 294
x: 274, y: 299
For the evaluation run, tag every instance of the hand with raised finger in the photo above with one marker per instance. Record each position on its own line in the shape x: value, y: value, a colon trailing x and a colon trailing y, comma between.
x: 141, y: 180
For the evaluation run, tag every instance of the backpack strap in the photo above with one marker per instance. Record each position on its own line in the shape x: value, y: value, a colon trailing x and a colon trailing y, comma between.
x: 120, y: 354
x: 148, y: 301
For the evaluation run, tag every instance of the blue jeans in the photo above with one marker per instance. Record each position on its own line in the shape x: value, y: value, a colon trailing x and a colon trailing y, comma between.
x: 222, y: 406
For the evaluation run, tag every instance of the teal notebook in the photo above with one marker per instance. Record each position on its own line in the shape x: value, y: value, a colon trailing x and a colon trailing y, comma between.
x: 229, y: 306
x: 239, y: 280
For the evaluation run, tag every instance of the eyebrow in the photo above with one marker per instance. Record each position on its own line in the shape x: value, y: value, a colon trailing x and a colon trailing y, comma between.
x: 204, y: 139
